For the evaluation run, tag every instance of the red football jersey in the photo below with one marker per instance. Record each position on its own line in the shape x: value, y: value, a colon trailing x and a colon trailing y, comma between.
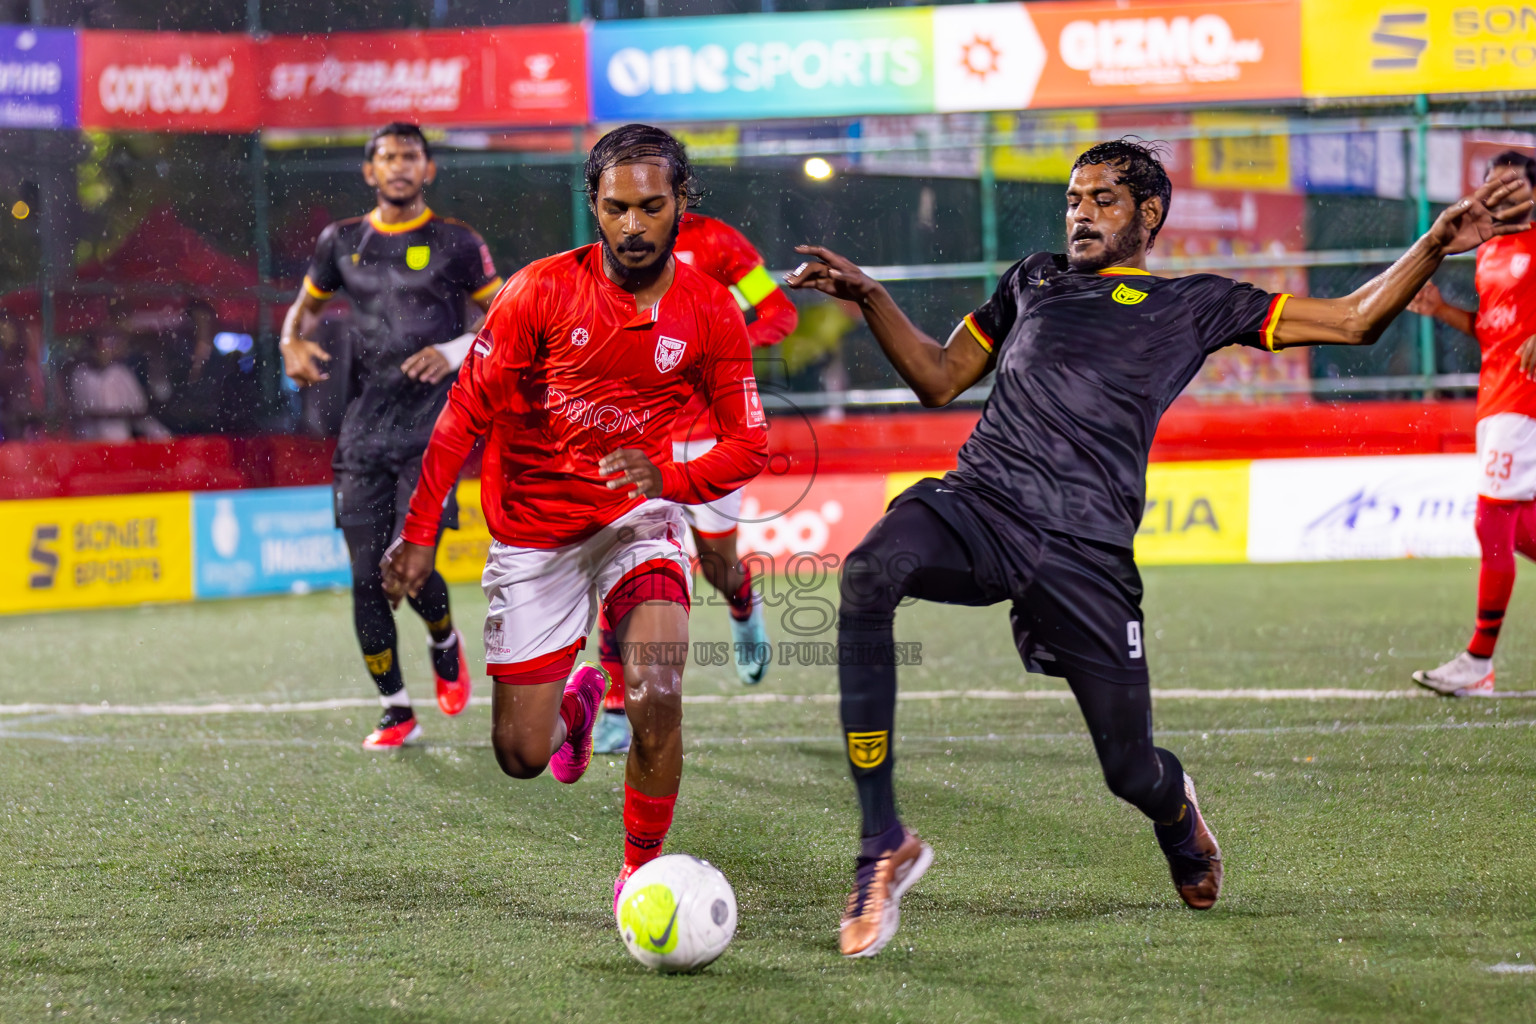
x: 565, y: 371
x: 1506, y: 316
x: 724, y: 253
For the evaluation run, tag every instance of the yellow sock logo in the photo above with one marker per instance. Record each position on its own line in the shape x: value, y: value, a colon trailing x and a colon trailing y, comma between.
x: 380, y: 663
x: 1127, y: 296
x: 868, y: 749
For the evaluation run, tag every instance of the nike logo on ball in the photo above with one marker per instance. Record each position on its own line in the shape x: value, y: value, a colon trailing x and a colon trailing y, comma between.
x: 666, y: 934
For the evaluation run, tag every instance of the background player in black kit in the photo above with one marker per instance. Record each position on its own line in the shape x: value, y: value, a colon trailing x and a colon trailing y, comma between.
x: 1041, y: 511
x: 411, y: 276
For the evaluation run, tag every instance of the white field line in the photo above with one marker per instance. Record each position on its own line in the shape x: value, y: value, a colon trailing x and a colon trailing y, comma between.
x: 1332, y: 729
x: 1506, y: 968
x: 173, y: 710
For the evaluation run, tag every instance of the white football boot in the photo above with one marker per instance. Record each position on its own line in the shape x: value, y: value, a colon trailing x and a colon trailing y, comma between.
x: 1462, y: 676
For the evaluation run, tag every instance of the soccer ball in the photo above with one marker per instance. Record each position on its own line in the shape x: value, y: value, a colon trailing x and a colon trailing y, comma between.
x: 677, y: 913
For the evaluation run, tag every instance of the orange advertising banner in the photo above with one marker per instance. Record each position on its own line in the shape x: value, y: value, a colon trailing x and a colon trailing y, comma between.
x: 1109, y: 54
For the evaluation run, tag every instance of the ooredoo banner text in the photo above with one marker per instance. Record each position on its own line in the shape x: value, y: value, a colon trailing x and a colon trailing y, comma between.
x: 169, y: 81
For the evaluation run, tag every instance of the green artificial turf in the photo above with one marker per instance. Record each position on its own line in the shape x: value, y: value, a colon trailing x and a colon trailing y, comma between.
x: 262, y: 867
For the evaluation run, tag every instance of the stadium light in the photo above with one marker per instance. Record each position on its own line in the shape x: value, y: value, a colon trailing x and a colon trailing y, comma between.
x: 818, y: 169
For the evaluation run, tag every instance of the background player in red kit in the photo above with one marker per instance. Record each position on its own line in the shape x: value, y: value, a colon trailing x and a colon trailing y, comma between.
x: 722, y: 252
x: 411, y: 277
x: 584, y: 362
x: 1504, y: 325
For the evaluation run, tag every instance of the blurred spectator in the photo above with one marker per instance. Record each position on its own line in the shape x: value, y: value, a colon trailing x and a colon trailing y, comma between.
x: 23, y: 387
x: 107, y: 400
x: 199, y: 379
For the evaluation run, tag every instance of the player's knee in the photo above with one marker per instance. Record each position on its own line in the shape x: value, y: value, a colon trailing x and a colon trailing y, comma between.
x: 867, y: 586
x: 517, y: 756
x: 654, y: 699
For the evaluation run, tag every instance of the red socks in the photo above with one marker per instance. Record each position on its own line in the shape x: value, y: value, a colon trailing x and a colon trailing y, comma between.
x: 741, y: 601
x: 646, y: 821
x: 608, y: 657
x: 1501, y: 526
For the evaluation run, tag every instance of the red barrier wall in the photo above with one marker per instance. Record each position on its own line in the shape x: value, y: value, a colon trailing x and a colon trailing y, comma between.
x: 863, y: 443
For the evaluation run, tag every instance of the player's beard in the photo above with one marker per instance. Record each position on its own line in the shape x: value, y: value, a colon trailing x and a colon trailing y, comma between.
x: 1119, y: 248
x: 633, y: 278
x: 400, y: 201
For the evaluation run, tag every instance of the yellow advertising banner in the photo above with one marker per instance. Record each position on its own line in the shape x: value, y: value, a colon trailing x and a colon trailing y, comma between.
x: 1046, y: 160
x: 1385, y: 48
x: 1261, y: 162
x: 1197, y: 514
x: 95, y: 552
x: 461, y: 553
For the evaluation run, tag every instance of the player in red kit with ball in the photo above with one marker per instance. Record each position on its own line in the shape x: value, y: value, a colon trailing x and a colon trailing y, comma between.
x: 723, y: 253
x: 583, y: 365
x: 1504, y: 325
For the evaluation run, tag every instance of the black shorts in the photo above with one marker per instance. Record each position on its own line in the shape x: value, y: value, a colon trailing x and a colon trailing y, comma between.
x: 1076, y: 602
x: 380, y: 498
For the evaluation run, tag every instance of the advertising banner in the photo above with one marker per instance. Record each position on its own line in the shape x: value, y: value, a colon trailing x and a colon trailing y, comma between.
x: 1111, y: 54
x: 1389, y: 48
x: 169, y: 81
x: 461, y: 553
x: 1400, y: 506
x: 39, y: 78
x: 95, y: 552
x: 1196, y: 514
x: 819, y: 517
x: 762, y: 66
x: 271, y: 541
x: 506, y: 77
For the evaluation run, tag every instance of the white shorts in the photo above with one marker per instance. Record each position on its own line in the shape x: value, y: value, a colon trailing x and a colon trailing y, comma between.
x: 1506, y: 457
x: 544, y: 601
x: 720, y: 516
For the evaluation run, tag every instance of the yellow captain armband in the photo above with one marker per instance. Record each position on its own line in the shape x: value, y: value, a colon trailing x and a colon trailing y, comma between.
x: 314, y: 291
x: 755, y: 285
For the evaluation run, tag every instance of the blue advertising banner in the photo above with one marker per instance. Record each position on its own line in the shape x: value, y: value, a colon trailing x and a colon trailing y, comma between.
x: 39, y: 78
x: 762, y: 66
x: 278, y: 540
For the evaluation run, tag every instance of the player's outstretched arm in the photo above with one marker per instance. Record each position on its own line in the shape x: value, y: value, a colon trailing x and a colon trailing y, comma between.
x: 1360, y: 318
x: 303, y: 359
x: 936, y: 373
x: 1429, y: 302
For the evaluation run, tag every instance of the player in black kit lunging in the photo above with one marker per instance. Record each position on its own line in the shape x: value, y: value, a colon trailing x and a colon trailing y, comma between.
x: 1089, y: 350
x: 411, y: 276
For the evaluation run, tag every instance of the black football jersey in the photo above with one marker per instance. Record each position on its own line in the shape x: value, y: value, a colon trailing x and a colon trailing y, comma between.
x: 1086, y: 365
x: 409, y: 285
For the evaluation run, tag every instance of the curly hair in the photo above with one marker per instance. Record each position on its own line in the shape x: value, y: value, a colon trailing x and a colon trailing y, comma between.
x: 1139, y: 165
x: 637, y: 142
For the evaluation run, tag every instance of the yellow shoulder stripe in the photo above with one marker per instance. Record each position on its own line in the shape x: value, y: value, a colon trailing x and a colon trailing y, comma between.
x: 756, y: 284
x: 981, y: 336
x: 487, y: 291
x: 314, y: 290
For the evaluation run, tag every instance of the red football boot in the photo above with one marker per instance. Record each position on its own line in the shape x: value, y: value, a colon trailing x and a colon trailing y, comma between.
x: 570, y: 762
x: 453, y: 694
x: 397, y: 728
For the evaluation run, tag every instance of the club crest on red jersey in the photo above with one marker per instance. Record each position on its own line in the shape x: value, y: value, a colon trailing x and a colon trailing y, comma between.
x: 578, y: 336
x: 669, y: 352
